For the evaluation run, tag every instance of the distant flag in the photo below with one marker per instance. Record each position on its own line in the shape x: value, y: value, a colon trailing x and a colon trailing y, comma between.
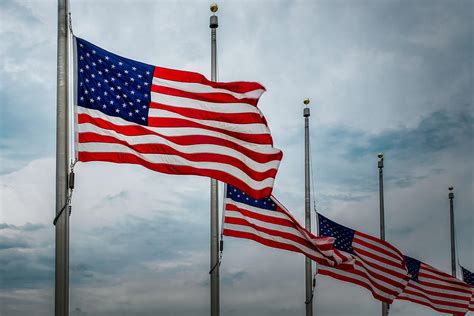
x: 268, y: 222
x: 433, y: 288
x: 172, y: 121
x: 379, y: 267
x: 468, y: 277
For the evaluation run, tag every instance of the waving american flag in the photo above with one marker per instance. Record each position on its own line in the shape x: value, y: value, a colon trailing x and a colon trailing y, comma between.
x: 172, y: 121
x: 268, y: 222
x: 379, y: 266
x: 468, y: 277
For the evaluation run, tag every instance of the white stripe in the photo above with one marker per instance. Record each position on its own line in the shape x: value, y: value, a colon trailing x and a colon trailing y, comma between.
x: 421, y: 296
x: 179, y: 131
x: 349, y: 274
x: 257, y: 210
x: 448, y: 281
x: 177, y: 161
x: 362, y: 266
x: 397, y: 268
x: 251, y: 230
x: 263, y: 224
x: 254, y: 129
x: 445, y: 291
x: 202, y: 88
x: 357, y: 245
x: 216, y: 107
x: 364, y: 259
x: 187, y: 149
x: 382, y: 246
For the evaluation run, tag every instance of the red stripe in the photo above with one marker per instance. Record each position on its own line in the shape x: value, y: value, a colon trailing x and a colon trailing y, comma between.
x: 383, y: 265
x: 258, y: 216
x: 385, y: 244
x: 377, y: 245
x: 273, y: 232
x: 234, y: 118
x: 263, y: 139
x: 173, y: 169
x: 215, y: 97
x: 414, y: 300
x: 441, y: 287
x: 187, y: 76
x: 322, y: 271
x: 136, y: 130
x: 271, y: 243
x: 167, y: 150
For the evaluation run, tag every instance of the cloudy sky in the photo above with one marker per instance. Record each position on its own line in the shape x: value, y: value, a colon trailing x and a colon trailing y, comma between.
x: 391, y: 76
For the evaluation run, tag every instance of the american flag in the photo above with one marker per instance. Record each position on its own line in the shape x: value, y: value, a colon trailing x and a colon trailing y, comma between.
x: 433, y: 288
x: 379, y: 267
x: 468, y: 277
x: 268, y: 222
x: 172, y: 121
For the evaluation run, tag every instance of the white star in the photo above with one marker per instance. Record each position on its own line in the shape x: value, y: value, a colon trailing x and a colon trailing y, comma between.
x: 100, y: 61
x: 117, y: 110
x: 81, y: 70
x: 145, y: 83
x: 120, y: 63
x: 143, y: 118
x: 147, y: 72
x: 111, y: 88
x: 99, y: 84
x: 130, y: 114
x: 138, y: 100
x: 82, y: 98
x: 112, y: 79
x: 87, y: 66
x: 98, y: 98
x: 124, y: 104
x: 139, y: 76
x: 87, y: 80
x: 136, y: 111
x: 111, y: 102
x: 132, y: 92
x: 92, y: 75
x: 100, y: 72
x: 119, y: 87
x: 81, y: 57
x: 134, y: 68
x: 113, y: 66
x: 91, y: 100
x: 131, y: 79
x: 144, y: 106
x: 104, y: 106
x: 118, y: 96
x: 106, y: 70
x: 107, y: 57
x: 105, y: 93
x: 93, y: 51
x: 81, y: 45
x: 94, y: 64
x: 87, y: 54
x: 138, y: 87
x: 86, y: 92
x: 125, y: 71
x: 119, y: 75
x: 92, y: 89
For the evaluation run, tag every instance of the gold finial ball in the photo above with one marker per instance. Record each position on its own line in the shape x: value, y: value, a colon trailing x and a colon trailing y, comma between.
x: 306, y: 101
x: 214, y: 7
x: 380, y: 155
x: 451, y: 188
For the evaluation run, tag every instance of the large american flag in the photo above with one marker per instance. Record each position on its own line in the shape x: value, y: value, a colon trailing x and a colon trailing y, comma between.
x: 433, y: 288
x: 172, y: 121
x: 268, y: 222
x: 468, y: 277
x: 379, y: 267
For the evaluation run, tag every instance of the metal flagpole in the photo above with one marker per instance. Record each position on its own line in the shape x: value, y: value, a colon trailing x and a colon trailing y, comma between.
x: 307, y: 207
x: 213, y: 24
x: 382, y: 216
x: 62, y: 141
x: 451, y: 219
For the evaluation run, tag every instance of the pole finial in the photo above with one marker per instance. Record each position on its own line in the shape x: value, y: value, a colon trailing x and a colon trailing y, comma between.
x: 451, y: 188
x: 306, y: 101
x: 214, y: 7
x: 380, y: 155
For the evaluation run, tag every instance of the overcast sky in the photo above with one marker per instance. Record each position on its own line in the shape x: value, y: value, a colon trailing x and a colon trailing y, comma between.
x: 391, y: 76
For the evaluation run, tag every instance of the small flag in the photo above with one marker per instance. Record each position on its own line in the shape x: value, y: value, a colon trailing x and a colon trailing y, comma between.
x: 468, y: 277
x: 379, y: 267
x: 172, y: 121
x: 433, y: 288
x: 268, y: 222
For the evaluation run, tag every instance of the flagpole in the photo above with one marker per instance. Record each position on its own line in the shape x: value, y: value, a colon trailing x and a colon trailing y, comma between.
x: 453, y: 242
x: 61, y: 306
x: 213, y: 24
x: 307, y: 207
x: 382, y: 215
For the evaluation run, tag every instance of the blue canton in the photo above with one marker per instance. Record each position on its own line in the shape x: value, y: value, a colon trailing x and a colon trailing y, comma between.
x: 468, y: 276
x: 114, y: 85
x: 239, y: 196
x: 343, y: 235
x: 413, y: 267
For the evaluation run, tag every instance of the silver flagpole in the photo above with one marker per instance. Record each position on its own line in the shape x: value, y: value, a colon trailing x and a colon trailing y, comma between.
x: 453, y: 242
x: 307, y: 207
x: 382, y: 215
x: 61, y: 306
x: 213, y: 24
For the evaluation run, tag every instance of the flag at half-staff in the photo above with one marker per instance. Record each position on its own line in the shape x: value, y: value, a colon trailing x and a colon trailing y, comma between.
x: 379, y: 267
x: 468, y: 278
x: 268, y: 222
x: 172, y: 121
x: 436, y: 289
